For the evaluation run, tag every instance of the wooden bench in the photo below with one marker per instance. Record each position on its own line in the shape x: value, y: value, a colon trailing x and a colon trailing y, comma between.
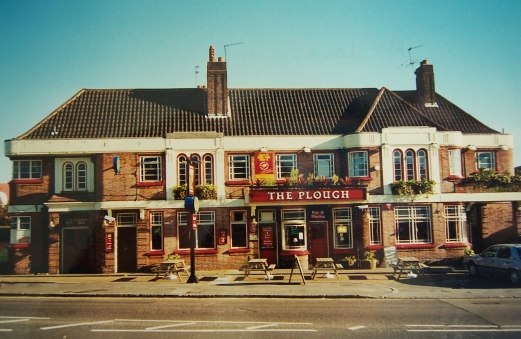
x: 168, y: 268
x: 267, y: 270
x: 392, y: 260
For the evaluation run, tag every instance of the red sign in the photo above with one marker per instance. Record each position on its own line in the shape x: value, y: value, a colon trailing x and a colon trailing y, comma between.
x: 264, y: 165
x: 109, y: 242
x: 223, y: 237
x: 191, y: 179
x: 267, y: 240
x: 193, y: 220
x: 337, y: 194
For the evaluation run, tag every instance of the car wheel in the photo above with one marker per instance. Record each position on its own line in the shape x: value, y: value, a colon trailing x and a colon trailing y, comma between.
x: 514, y: 277
x: 473, y: 270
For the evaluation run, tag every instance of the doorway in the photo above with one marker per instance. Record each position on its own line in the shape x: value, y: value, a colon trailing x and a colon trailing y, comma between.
x: 75, y: 250
x: 318, y: 244
x: 126, y: 246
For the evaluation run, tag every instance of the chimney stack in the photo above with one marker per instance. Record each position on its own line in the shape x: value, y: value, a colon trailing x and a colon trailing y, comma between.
x: 425, y: 83
x: 217, y: 92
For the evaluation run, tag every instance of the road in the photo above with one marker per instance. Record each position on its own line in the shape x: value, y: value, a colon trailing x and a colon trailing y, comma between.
x: 22, y: 317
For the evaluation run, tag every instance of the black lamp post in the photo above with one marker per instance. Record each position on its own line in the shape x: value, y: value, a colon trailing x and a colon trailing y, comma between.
x: 192, y: 207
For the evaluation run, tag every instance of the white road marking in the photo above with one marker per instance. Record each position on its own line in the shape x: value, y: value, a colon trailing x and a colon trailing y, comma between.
x: 7, y: 317
x: 79, y: 324
x: 469, y: 330
x: 209, y: 331
x: 5, y: 330
x: 211, y: 321
x: 166, y: 326
x: 464, y: 328
x: 262, y: 326
x: 13, y: 321
x: 355, y: 328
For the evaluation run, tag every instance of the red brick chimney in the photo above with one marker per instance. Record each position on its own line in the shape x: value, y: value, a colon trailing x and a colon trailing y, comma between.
x: 217, y: 92
x: 425, y: 83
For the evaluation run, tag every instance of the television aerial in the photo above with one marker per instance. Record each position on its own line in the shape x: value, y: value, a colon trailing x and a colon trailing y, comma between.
x: 410, y: 62
x: 238, y: 43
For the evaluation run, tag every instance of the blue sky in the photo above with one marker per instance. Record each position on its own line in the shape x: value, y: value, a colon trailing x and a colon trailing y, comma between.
x: 52, y: 49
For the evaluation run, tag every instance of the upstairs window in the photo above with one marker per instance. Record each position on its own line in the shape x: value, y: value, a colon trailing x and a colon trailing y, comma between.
x: 27, y: 169
x: 203, y: 169
x: 324, y: 165
x: 486, y: 160
x: 74, y: 176
x: 239, y: 166
x: 455, y: 162
x: 150, y: 168
x: 286, y: 163
x: 20, y: 230
x: 358, y: 166
x: 410, y: 165
x: 208, y: 169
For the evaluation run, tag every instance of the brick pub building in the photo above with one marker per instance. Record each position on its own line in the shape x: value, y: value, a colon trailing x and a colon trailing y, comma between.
x: 97, y: 185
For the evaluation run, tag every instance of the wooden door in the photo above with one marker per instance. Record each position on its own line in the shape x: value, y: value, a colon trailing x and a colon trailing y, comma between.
x: 126, y: 249
x: 317, y: 240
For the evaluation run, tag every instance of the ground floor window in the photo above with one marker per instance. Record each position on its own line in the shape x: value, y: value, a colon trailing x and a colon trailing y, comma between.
x: 20, y: 230
x: 156, y: 231
x: 375, y: 225
x: 239, y: 229
x: 456, y: 223
x: 205, y: 233
x: 343, y: 227
x: 294, y: 232
x: 413, y: 225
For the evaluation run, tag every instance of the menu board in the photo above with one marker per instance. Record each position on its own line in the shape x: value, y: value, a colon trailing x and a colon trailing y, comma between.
x: 267, y: 237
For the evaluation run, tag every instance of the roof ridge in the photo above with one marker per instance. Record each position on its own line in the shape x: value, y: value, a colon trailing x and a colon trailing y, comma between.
x: 371, y: 110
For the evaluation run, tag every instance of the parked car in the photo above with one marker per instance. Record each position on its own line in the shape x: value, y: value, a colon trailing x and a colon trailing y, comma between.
x: 500, y: 260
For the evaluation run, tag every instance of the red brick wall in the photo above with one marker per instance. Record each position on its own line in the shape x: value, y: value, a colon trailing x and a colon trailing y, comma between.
x: 22, y: 193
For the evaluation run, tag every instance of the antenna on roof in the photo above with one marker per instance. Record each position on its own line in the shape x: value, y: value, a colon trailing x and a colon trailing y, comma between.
x: 411, y: 63
x: 196, y: 71
x: 238, y: 43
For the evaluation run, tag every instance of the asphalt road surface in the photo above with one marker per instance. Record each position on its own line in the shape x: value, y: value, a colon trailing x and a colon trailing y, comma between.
x: 22, y: 317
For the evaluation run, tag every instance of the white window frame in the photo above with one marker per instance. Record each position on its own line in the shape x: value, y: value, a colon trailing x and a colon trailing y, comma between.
x: 455, y: 162
x: 294, y: 218
x: 358, y: 164
x: 33, y: 169
x: 156, y: 226
x: 343, y: 216
x: 238, y: 224
x: 455, y: 223
x: 75, y: 178
x: 207, y: 169
x: 285, y: 163
x: 204, y: 218
x: 20, y: 230
x: 410, y: 164
x: 375, y: 225
x: 491, y: 164
x: 150, y: 168
x: 324, y: 162
x: 236, y: 162
x: 411, y: 218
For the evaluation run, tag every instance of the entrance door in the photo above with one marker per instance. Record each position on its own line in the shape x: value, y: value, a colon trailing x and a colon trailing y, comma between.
x: 127, y: 249
x: 75, y: 250
x: 318, y: 243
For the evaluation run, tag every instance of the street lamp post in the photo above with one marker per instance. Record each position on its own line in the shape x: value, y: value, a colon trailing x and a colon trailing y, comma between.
x: 192, y: 206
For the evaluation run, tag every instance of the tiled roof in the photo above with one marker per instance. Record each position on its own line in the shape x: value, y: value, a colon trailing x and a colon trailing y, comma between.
x: 124, y: 113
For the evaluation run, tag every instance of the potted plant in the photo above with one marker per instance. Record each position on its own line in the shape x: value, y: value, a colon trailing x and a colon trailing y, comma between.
x: 370, y: 258
x: 351, y: 260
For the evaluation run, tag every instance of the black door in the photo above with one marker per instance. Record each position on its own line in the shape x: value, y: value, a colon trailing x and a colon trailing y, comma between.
x: 127, y: 249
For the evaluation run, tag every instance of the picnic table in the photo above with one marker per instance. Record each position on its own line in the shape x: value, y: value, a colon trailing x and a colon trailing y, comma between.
x: 401, y: 264
x: 325, y: 265
x: 175, y: 266
x: 259, y: 265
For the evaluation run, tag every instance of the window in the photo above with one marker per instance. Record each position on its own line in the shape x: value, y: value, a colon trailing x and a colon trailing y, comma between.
x: 208, y: 169
x: 127, y: 219
x: 413, y: 225
x: 74, y: 176
x: 375, y: 226
x: 27, y: 169
x: 343, y: 227
x: 150, y: 168
x: 156, y: 231
x: 204, y: 234
x: 285, y: 164
x: 455, y: 162
x: 456, y: 223
x: 485, y: 160
x: 410, y: 165
x: 203, y: 169
x: 238, y: 229
x: 239, y: 167
x: 324, y: 165
x: 358, y: 166
x: 181, y: 169
x: 20, y: 230
x: 294, y: 229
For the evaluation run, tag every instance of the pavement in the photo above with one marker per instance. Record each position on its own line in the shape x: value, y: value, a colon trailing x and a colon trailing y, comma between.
x: 436, y: 283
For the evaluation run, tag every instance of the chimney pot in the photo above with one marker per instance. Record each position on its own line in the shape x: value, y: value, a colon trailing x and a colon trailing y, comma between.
x: 212, y: 54
x: 221, y: 59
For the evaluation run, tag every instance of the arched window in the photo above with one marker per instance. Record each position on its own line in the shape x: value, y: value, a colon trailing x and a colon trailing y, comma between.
x: 81, y: 176
x: 397, y: 165
x: 409, y: 164
x: 208, y: 169
x: 422, y: 164
x: 197, y: 165
x: 181, y: 169
x: 68, y: 176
